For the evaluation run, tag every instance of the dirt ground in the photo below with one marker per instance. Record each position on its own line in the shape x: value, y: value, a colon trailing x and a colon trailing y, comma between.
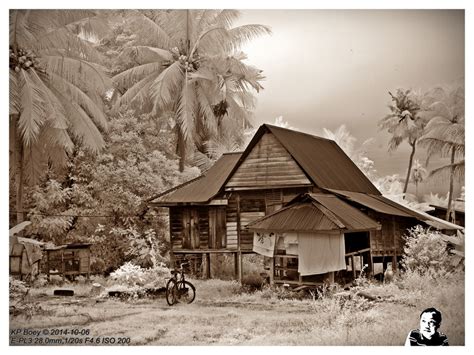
x: 220, y: 317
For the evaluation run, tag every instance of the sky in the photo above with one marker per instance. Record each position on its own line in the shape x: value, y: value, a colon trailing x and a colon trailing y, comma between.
x: 325, y: 68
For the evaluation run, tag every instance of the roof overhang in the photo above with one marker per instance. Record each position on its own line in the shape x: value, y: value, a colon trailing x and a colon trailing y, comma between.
x: 385, y: 205
x: 315, y: 213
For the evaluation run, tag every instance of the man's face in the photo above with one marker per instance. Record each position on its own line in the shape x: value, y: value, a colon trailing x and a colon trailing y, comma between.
x: 428, y: 325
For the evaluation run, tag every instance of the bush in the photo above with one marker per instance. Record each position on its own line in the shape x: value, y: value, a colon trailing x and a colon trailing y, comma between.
x: 425, y: 252
x: 131, y: 275
x: 17, y: 288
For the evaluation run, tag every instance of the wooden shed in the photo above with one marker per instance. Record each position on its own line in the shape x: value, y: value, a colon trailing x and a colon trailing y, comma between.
x: 68, y: 260
x: 211, y: 214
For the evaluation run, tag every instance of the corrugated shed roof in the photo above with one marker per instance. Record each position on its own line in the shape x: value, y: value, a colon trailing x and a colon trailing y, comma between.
x: 374, y: 203
x: 203, y: 188
x: 323, y: 161
x: 385, y: 205
x: 350, y: 216
x: 315, y: 212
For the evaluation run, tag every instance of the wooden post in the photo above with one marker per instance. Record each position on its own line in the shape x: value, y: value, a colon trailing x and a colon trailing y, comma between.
x: 353, y: 266
x: 272, y: 270
x: 236, y: 266
x: 63, y: 269
x: 47, y: 265
x: 239, y: 253
x: 331, y: 277
x: 208, y: 265
x: 370, y: 261
x: 240, y: 266
x: 394, y: 262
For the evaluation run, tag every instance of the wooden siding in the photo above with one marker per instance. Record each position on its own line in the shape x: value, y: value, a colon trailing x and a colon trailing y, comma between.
x: 189, y: 227
x: 231, y: 223
x: 267, y: 165
x: 389, y: 239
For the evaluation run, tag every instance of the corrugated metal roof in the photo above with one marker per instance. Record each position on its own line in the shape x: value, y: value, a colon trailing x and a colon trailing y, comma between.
x: 315, y: 212
x: 205, y: 187
x: 385, y: 205
x: 323, y: 161
x: 350, y: 216
x: 374, y: 203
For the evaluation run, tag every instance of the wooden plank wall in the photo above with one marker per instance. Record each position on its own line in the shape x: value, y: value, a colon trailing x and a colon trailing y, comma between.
x: 389, y: 240
x: 252, y: 207
x: 268, y: 164
x: 176, y: 227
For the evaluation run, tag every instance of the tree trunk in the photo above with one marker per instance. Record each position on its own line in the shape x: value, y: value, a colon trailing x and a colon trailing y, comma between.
x: 181, y: 149
x: 410, y: 163
x: 451, y: 185
x: 19, y: 171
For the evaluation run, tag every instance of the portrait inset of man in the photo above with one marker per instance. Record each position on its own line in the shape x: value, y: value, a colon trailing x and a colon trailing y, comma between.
x: 428, y: 334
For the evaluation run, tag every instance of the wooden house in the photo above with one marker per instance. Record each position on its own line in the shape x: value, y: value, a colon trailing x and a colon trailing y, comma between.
x: 287, y: 182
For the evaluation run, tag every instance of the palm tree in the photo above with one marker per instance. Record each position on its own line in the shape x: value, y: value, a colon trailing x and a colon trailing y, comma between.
x: 189, y: 62
x: 404, y: 123
x: 445, y: 135
x: 56, y: 88
x: 418, y: 174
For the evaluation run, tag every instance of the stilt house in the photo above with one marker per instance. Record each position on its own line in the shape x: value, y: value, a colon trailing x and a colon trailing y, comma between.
x: 296, y: 198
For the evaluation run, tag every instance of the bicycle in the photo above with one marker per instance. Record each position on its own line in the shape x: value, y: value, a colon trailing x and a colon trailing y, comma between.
x: 178, y: 289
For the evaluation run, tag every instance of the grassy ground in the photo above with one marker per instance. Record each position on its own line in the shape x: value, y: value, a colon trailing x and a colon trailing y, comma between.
x: 223, y: 314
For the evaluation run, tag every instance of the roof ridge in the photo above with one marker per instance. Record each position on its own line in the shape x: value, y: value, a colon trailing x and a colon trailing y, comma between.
x: 300, y: 132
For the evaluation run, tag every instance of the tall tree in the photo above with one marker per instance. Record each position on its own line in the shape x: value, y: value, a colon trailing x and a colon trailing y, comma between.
x: 189, y: 62
x: 404, y: 123
x: 445, y: 134
x: 418, y: 174
x: 56, y: 88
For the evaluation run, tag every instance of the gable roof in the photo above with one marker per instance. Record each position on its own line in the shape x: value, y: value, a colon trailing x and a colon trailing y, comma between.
x: 315, y: 212
x: 322, y: 160
x: 203, y: 188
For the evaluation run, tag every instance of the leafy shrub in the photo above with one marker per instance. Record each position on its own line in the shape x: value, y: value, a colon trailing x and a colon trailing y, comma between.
x: 131, y: 275
x: 17, y: 288
x: 426, y: 252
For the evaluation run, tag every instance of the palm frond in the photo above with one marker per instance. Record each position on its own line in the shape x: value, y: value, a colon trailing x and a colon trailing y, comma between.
x: 130, y: 77
x: 75, y: 94
x: 444, y: 172
x: 15, y: 94
x: 79, y: 72
x: 80, y: 124
x: 185, y: 112
x: 139, y: 91
x: 238, y: 113
x: 32, y: 108
x: 64, y: 43
x: 148, y: 31
x: 168, y: 81
x: 241, y: 35
x: 226, y: 18
x: 146, y: 54
x: 54, y: 111
x: 206, y: 111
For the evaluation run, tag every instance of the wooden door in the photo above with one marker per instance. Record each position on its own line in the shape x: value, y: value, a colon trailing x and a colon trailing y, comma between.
x: 217, y: 228
x: 190, y: 228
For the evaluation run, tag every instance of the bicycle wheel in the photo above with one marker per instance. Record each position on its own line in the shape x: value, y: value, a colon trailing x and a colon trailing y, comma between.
x: 185, y: 292
x: 171, y: 292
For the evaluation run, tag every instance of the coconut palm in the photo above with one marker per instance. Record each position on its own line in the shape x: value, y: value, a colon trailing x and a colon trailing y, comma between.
x: 56, y: 88
x: 445, y: 134
x: 418, y: 174
x: 189, y: 62
x: 404, y: 123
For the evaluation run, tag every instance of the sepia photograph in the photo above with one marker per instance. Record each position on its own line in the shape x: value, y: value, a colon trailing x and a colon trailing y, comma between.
x: 203, y: 176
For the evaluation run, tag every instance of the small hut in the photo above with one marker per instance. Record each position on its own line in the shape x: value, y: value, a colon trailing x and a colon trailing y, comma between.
x: 69, y: 260
x: 25, y: 254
